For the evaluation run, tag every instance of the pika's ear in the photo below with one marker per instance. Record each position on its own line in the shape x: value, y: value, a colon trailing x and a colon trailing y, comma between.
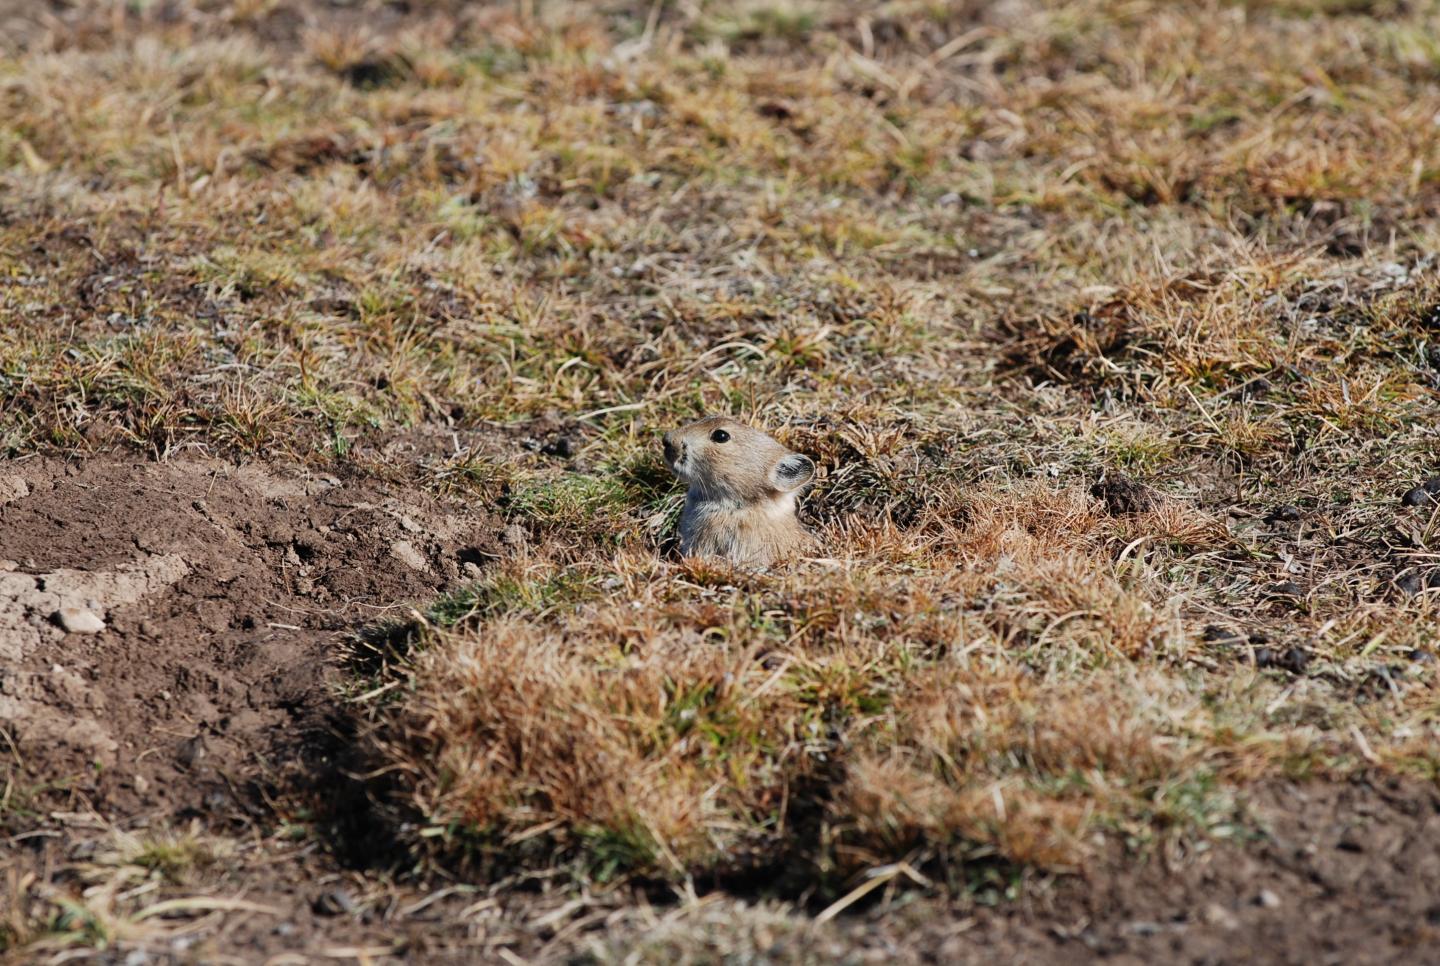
x: 791, y: 471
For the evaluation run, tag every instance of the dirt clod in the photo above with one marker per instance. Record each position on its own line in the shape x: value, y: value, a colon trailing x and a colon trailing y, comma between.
x: 561, y: 447
x: 1123, y: 496
x: 12, y: 488
x: 1284, y: 513
x: 405, y: 552
x: 1295, y: 660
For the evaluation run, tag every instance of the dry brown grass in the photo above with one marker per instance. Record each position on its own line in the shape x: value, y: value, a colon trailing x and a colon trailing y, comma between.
x: 973, y: 258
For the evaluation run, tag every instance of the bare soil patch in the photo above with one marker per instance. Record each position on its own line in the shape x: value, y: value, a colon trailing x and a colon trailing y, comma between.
x: 222, y: 587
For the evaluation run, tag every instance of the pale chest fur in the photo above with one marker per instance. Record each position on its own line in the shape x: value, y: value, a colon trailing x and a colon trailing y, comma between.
x: 748, y: 535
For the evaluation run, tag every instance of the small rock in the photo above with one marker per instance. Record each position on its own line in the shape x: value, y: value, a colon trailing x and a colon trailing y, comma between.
x: 561, y: 446
x: 513, y: 535
x: 333, y: 903
x: 141, y: 783
x: 191, y: 751
x: 405, y: 552
x: 1264, y: 657
x: 78, y: 620
x: 1419, y: 496
x: 1267, y: 899
x: 1284, y: 513
x: 1218, y: 915
x: 1287, y: 588
x: 8, y: 565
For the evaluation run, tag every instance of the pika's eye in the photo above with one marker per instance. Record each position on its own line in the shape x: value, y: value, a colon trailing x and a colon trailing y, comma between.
x: 719, y: 436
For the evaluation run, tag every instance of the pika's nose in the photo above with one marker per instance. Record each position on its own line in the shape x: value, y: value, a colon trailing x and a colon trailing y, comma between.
x: 670, y: 448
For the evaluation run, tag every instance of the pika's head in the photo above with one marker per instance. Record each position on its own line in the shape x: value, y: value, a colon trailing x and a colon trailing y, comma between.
x: 728, y: 460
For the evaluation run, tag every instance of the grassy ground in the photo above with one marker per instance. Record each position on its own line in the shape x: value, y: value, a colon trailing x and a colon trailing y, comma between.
x: 1114, y: 328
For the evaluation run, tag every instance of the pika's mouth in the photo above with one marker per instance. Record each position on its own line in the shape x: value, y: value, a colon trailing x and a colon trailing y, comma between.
x: 677, y: 457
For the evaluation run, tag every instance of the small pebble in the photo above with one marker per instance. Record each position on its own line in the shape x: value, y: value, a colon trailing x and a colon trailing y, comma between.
x: 1268, y: 899
x: 1409, y: 584
x: 1218, y: 915
x: 191, y: 750
x: 1284, y: 513
x: 78, y: 620
x: 1287, y: 588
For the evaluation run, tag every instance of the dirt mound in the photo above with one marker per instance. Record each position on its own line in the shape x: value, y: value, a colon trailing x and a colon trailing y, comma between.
x: 166, y: 626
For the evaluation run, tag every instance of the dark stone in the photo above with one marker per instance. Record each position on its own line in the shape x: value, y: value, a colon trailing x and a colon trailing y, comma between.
x: 1284, y: 513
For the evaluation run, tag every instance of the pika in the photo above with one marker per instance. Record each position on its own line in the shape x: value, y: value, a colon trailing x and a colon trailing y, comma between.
x: 743, y: 487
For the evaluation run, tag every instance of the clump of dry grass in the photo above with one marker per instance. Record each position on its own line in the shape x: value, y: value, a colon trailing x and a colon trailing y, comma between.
x: 952, y: 689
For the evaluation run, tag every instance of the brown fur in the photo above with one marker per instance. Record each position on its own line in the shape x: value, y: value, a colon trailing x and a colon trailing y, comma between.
x: 741, y: 502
